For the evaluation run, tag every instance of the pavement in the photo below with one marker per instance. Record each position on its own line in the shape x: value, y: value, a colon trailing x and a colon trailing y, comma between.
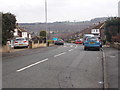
x: 25, y: 51
x: 111, y: 60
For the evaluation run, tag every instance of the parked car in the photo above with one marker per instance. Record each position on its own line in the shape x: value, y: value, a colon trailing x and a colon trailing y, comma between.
x: 59, y: 42
x: 21, y: 42
x: 80, y: 41
x: 92, y: 42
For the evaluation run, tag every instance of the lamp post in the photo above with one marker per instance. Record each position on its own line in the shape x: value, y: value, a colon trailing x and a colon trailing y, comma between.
x: 46, y: 25
x: 46, y: 13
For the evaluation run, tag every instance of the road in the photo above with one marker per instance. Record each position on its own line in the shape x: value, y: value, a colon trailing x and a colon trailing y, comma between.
x: 67, y: 66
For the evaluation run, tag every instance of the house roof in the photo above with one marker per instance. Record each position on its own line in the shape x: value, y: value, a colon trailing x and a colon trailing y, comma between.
x: 98, y: 26
x: 87, y: 30
x: 20, y: 29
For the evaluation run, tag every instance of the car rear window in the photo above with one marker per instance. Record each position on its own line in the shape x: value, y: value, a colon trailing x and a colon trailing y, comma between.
x: 93, y: 39
x: 19, y: 39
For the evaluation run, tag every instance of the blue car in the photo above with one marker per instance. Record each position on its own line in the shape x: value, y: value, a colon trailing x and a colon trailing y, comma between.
x: 92, y: 42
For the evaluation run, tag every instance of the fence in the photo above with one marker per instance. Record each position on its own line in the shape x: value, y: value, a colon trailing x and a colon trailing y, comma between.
x: 5, y: 48
x: 33, y: 44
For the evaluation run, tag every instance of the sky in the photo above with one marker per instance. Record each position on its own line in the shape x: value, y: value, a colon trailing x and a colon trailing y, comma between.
x: 29, y: 11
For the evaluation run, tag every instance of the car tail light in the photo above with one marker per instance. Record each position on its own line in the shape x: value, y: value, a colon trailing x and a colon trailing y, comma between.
x: 25, y: 41
x: 98, y: 40
x: 16, y: 42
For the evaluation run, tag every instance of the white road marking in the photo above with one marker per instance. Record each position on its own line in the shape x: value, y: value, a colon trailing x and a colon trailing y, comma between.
x: 59, y: 54
x: 100, y: 82
x: 65, y: 46
x: 70, y: 50
x: 76, y: 47
x: 19, y: 70
x: 71, y: 46
x: 112, y: 56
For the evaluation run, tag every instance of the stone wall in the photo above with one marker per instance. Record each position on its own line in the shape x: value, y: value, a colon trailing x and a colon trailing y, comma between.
x: 116, y: 45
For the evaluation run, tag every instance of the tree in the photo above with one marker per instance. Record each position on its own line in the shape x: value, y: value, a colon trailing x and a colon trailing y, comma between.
x: 42, y: 34
x: 112, y: 28
x: 8, y: 26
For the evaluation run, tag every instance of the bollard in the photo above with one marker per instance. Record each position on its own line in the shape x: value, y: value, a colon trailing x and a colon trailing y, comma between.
x: 48, y: 44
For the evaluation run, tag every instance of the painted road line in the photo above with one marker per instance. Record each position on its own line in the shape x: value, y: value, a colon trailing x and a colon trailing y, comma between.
x: 70, y: 50
x: 31, y: 65
x: 59, y: 54
x: 76, y: 47
x: 71, y: 45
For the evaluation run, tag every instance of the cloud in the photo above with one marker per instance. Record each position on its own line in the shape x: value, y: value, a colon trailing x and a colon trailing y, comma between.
x: 59, y: 10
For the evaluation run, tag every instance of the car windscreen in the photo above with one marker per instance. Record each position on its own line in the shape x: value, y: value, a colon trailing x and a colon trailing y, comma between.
x: 78, y: 40
x: 60, y: 40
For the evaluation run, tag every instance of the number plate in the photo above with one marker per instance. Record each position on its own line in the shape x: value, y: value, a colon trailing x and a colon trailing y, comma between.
x: 92, y: 43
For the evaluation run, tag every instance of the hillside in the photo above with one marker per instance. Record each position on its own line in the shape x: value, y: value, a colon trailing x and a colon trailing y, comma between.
x: 62, y: 27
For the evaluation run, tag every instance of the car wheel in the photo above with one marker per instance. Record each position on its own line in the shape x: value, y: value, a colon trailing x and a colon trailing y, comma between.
x: 98, y: 49
x: 26, y: 46
x: 85, y: 48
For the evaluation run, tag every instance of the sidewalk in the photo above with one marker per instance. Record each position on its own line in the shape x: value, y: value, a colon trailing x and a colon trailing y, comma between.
x: 23, y: 52
x: 111, y: 60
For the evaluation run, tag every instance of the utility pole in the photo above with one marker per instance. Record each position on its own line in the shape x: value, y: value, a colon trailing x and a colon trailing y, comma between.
x: 119, y: 9
x: 46, y: 25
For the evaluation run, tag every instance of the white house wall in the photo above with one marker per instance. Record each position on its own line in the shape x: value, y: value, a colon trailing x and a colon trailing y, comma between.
x: 15, y: 32
x: 24, y: 34
x: 30, y: 36
x: 95, y: 31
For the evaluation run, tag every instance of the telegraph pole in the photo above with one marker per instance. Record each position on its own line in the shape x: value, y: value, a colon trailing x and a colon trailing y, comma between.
x: 46, y: 25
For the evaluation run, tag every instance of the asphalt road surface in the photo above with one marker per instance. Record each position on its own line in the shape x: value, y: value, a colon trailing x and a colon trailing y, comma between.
x: 67, y: 66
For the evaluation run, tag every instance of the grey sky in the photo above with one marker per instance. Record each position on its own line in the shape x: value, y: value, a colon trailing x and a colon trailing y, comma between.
x: 59, y: 10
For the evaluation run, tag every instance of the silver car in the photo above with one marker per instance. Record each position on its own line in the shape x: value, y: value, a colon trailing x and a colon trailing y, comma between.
x: 21, y: 42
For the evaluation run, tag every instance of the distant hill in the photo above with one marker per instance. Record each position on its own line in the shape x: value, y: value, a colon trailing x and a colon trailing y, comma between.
x: 62, y: 27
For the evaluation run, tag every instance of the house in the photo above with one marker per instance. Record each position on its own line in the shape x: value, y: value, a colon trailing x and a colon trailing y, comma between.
x: 20, y: 32
x: 97, y: 30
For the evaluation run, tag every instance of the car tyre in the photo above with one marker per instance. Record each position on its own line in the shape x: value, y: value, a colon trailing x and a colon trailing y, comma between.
x: 98, y: 49
x: 26, y: 47
x: 85, y: 48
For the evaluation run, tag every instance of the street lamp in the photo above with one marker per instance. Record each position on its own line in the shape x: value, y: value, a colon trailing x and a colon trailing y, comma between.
x: 46, y: 25
x: 46, y: 13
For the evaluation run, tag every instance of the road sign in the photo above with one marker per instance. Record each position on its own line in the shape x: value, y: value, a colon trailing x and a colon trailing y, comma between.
x: 55, y: 39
